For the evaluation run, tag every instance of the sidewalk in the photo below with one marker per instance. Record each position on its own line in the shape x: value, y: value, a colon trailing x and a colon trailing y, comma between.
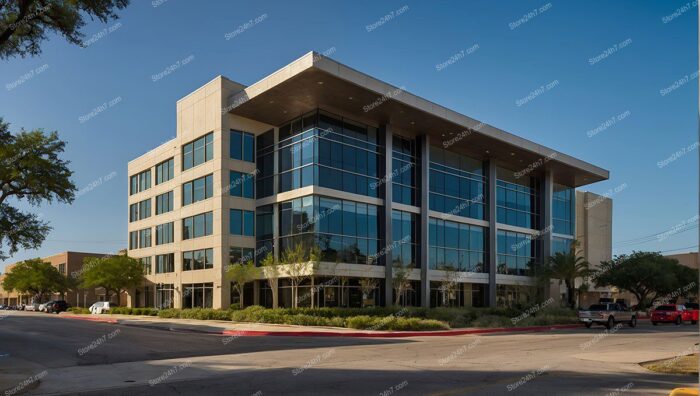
x: 237, y: 329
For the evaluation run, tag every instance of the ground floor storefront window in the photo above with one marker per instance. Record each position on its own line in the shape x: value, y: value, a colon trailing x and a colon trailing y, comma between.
x: 325, y: 292
x: 446, y: 294
x: 165, y: 295
x: 515, y: 296
x: 248, y: 295
x: 198, y: 295
x: 410, y: 297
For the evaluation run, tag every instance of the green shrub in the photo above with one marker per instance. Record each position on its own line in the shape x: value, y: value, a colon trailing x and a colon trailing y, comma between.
x: 492, y: 321
x: 195, y: 313
x: 557, y: 311
x: 78, y: 310
x: 365, y: 322
x: 249, y: 314
x: 169, y: 313
x: 133, y: 311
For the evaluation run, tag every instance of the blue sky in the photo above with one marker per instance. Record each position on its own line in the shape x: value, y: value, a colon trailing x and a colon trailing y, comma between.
x: 603, y: 59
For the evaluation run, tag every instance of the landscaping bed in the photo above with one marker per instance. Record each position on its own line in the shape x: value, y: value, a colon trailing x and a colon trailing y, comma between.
x: 376, y: 318
x: 687, y: 365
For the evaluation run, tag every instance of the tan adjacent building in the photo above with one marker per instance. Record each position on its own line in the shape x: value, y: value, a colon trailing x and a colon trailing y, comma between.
x: 68, y: 264
x: 690, y: 259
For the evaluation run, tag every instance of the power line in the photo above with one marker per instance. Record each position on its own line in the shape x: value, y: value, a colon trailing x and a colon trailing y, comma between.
x: 673, y: 250
x: 650, y: 238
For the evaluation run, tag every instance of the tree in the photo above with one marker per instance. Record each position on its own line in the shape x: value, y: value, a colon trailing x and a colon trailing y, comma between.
x: 30, y: 170
x: 24, y: 24
x: 241, y: 274
x: 115, y: 274
x: 367, y: 286
x: 566, y: 267
x: 296, y: 264
x: 271, y: 271
x: 449, y: 285
x: 401, y: 283
x: 30, y: 167
x: 647, y: 275
x: 35, y: 277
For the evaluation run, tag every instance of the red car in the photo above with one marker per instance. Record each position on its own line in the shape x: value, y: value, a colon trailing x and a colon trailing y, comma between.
x: 693, y: 309
x: 672, y: 313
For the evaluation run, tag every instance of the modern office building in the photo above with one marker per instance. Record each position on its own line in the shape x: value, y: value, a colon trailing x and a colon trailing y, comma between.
x: 68, y: 264
x: 371, y: 176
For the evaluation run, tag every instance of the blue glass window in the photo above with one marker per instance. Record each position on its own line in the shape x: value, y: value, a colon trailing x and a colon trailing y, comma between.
x: 333, y: 158
x: 197, y: 226
x: 197, y: 190
x: 457, y: 184
x: 344, y: 231
x: 517, y: 199
x: 242, y: 146
x: 563, y: 209
x: 242, y: 222
x: 517, y: 253
x: 198, y: 151
x: 456, y: 246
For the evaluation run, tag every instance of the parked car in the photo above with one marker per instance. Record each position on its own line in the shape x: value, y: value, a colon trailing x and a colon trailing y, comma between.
x: 100, y: 307
x: 670, y: 313
x: 32, y: 307
x: 42, y: 306
x: 694, y: 309
x: 607, y: 314
x: 56, y: 306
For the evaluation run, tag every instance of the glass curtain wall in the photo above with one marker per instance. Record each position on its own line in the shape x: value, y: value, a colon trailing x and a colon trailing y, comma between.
x: 329, y: 151
x: 563, y: 209
x: 345, y: 231
x: 457, y: 184
x: 517, y: 199
x: 404, y: 249
x: 404, y: 173
x: 456, y: 246
x: 517, y: 253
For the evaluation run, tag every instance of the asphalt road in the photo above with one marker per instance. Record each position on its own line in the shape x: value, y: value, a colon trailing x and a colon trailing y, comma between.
x: 79, y: 357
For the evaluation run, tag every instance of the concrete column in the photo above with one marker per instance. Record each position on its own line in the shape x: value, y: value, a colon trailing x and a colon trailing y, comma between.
x: 424, y: 218
x: 256, y: 292
x: 546, y: 191
x: 177, y: 295
x: 493, y: 234
x: 275, y: 220
x: 388, y: 198
x: 275, y: 207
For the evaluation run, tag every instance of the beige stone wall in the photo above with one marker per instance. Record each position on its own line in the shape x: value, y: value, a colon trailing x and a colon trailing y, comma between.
x: 594, y: 232
x: 594, y: 226
x: 198, y: 114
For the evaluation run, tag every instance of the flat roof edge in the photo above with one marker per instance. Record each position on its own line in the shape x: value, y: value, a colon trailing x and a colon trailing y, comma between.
x: 151, y: 151
x: 315, y: 60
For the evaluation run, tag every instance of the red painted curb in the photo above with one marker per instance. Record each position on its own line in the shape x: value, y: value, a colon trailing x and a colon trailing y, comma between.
x: 89, y: 318
x: 394, y: 334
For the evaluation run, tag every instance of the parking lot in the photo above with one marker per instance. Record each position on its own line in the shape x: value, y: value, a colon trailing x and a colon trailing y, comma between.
x: 67, y: 356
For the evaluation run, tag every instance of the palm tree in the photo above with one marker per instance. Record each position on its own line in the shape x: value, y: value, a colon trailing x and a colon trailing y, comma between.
x: 566, y: 267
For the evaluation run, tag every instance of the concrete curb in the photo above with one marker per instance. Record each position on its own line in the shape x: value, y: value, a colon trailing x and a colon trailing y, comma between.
x: 397, y: 334
x: 89, y: 318
x: 355, y: 334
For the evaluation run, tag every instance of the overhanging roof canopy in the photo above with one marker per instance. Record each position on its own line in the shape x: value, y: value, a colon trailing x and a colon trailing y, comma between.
x: 314, y: 81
